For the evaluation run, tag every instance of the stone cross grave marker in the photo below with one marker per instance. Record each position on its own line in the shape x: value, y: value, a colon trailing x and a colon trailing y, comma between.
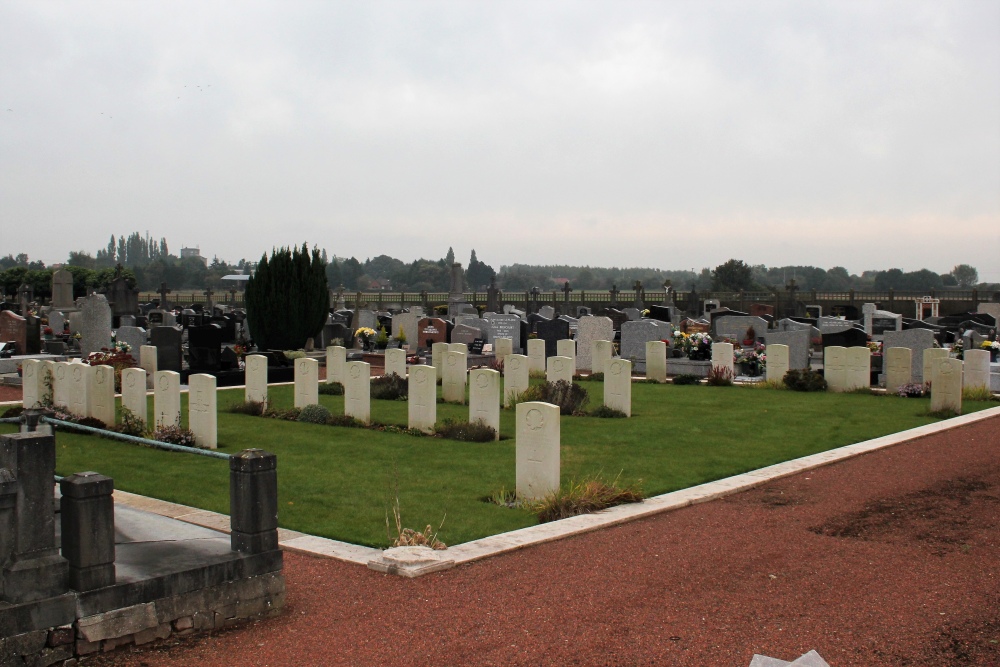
x: 484, y: 398
x: 946, y: 385
x: 134, y: 393
x: 515, y: 376
x: 656, y: 360
x: 203, y: 410
x: 306, y: 382
x: 101, y: 394
x: 618, y: 385
x: 898, y: 368
x: 559, y: 368
x: 422, y: 398
x: 776, y: 362
x: 256, y: 379
x: 358, y: 391
x: 537, y: 450
x: 167, y: 398
x: 454, y: 379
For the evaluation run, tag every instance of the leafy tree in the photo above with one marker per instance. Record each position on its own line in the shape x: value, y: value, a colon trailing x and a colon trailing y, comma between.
x: 732, y: 276
x: 449, y: 259
x: 965, y: 275
x: 479, y: 274
x: 287, y: 298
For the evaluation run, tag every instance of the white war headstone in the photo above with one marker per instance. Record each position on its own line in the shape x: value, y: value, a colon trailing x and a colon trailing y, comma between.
x: 503, y: 347
x: 458, y: 347
x: 147, y: 362
x: 601, y: 352
x: 32, y: 386
x: 453, y: 381
x: 78, y: 385
x: 358, y: 391
x: 618, y: 385
x: 167, y: 398
x: 536, y: 355
x: 422, y: 398
x: 977, y: 369
x: 395, y: 362
x: 775, y: 362
x: 946, y: 385
x: 60, y: 384
x: 484, y: 398
x: 101, y: 394
x: 722, y: 357
x: 202, y: 410
x: 656, y: 360
x: 515, y: 376
x: 566, y: 347
x: 559, y: 368
x: 588, y: 329
x: 46, y: 382
x: 336, y: 357
x: 306, y: 382
x: 256, y: 379
x: 438, y: 350
x: 898, y: 363
x: 930, y: 356
x: 859, y: 367
x: 537, y: 450
x: 835, y: 367
x: 134, y: 393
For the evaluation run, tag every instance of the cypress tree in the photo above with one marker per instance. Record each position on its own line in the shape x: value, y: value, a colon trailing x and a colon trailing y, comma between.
x: 287, y: 298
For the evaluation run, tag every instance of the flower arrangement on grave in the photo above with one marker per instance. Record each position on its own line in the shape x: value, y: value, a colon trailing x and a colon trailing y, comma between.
x: 47, y: 331
x: 875, y: 347
x: 752, y: 359
x: 645, y: 312
x: 240, y: 350
x: 366, y: 335
x: 697, y: 346
x: 118, y: 357
x: 958, y: 349
x: 912, y: 390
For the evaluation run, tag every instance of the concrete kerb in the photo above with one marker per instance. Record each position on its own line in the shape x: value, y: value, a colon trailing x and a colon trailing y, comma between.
x: 525, y: 537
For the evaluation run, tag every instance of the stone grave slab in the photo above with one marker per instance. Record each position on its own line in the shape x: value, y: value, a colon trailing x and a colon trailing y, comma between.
x: 722, y: 357
x: 916, y: 340
x: 134, y: 393
x: 536, y: 355
x: 656, y: 360
x: 256, y: 378
x: 454, y: 378
x: 395, y: 362
x: 552, y: 331
x: 797, y: 341
x: 898, y: 366
x: 635, y: 335
x: 559, y: 369
x: 95, y: 326
x: 589, y: 329
x: 776, y: 363
x: 101, y: 394
x: 946, y: 385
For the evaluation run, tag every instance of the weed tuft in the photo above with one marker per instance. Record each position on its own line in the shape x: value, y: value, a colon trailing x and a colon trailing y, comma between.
x: 476, y: 431
x: 804, y: 380
x: 252, y: 408
x: 606, y: 412
x: 585, y: 497
x: 720, y: 376
x: 687, y: 378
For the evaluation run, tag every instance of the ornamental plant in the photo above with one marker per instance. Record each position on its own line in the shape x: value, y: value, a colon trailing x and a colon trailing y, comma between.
x: 697, y: 346
x: 753, y: 358
x: 287, y: 298
x: 118, y: 357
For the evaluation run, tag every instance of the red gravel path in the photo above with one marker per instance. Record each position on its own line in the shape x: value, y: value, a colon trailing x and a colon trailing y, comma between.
x: 892, y: 558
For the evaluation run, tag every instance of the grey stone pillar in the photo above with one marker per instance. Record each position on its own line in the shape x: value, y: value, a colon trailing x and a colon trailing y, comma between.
x: 88, y: 530
x: 253, y: 501
x: 34, y: 569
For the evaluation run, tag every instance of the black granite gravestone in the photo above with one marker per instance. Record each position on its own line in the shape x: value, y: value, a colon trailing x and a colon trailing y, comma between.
x: 205, y: 348
x: 167, y: 341
x: 853, y: 337
x: 552, y: 331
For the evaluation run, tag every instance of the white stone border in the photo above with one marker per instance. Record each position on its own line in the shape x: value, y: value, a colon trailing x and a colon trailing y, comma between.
x: 555, y: 530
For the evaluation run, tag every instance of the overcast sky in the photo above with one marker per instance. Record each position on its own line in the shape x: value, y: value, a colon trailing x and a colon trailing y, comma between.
x: 667, y: 134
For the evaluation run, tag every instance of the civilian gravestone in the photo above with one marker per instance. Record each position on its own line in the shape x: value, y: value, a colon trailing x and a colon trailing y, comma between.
x: 946, y: 385
x: 407, y: 322
x: 515, y: 376
x: 859, y: 368
x: 454, y: 378
x: 548, y: 312
x: 776, y: 363
x: 306, y: 382
x: 589, y: 329
x: 735, y: 327
x: 134, y: 337
x: 464, y: 334
x: 601, y: 352
x: 505, y: 326
x: 536, y: 355
x: 835, y: 367
x: 722, y: 358
x: 656, y: 360
x: 877, y: 322
x: 205, y: 348
x: 256, y: 379
x: 395, y: 362
x: 62, y: 290
x: 422, y: 398
x: 202, y: 410
x: 95, y: 327
x: 167, y: 398
x: 536, y: 450
x: 898, y: 363
x: 14, y: 329
x: 618, y: 385
x: 167, y: 341
x: 850, y: 337
x: 559, y: 369
x: 484, y: 398
x: 917, y: 341
x: 78, y: 385
x: 977, y: 369
x: 134, y: 393
x: 552, y: 331
x: 798, y: 343
x: 101, y: 394
x: 634, y: 337
x: 432, y: 330
x: 358, y: 391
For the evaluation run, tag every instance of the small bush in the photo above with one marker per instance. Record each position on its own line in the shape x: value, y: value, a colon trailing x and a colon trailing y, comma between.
x: 389, y: 388
x: 344, y: 420
x: 13, y: 411
x: 314, y: 414
x: 804, y: 380
x: 912, y: 390
x: 252, y: 408
x: 331, y: 388
x: 92, y: 422
x: 496, y: 364
x: 291, y: 414
x: 977, y: 393
x: 571, y: 398
x: 687, y: 378
x: 536, y: 375
x: 720, y: 376
x: 130, y: 424
x: 605, y: 412
x: 596, y: 377
x: 174, y: 435
x: 592, y: 495
x: 942, y: 414
x: 477, y: 431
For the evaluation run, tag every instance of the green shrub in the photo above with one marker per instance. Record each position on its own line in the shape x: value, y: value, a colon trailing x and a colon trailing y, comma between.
x: 389, y: 388
x: 477, y: 431
x: 174, y: 435
x: 252, y: 408
x: 292, y: 355
x: 291, y: 414
x: 605, y: 412
x: 687, y: 378
x: 804, y: 380
x: 314, y: 414
x: 596, y: 377
x: 571, y: 398
x: 287, y: 299
x: 977, y: 393
x: 331, y: 388
x: 591, y: 495
x: 129, y: 423
x: 720, y: 376
x: 13, y: 411
x: 345, y: 420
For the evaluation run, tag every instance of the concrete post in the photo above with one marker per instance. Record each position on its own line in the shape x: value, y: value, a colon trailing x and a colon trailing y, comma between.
x: 253, y: 501
x: 88, y: 530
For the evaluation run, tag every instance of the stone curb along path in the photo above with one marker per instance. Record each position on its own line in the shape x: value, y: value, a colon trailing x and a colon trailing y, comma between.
x: 416, y: 561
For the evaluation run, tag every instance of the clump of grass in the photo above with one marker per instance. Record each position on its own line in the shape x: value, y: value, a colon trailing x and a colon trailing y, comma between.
x: 687, y: 378
x: 536, y: 375
x: 767, y: 384
x: 476, y: 431
x: 345, y: 420
x: 720, y: 376
x: 389, y: 388
x: 571, y: 398
x: 860, y: 390
x: 331, y: 388
x: 977, y: 393
x: 503, y: 498
x: 129, y: 423
x: 593, y: 377
x: 252, y: 408
x: 606, y: 412
x: 174, y: 435
x: 804, y: 380
x: 945, y: 413
x: 291, y: 414
x: 585, y: 497
x: 314, y: 414
x: 407, y: 537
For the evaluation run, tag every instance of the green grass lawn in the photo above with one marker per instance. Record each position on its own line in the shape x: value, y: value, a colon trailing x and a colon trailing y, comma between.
x: 338, y: 482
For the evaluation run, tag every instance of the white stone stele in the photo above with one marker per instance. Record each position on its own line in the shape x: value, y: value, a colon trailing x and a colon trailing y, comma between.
x: 503, y: 347
x: 134, y: 393
x: 458, y: 347
x: 859, y: 368
x: 536, y: 355
x: 566, y: 348
x: 101, y: 394
x: 930, y: 356
x: 60, y: 384
x: 147, y: 362
x: 79, y: 382
x: 977, y: 369
x: 46, y: 380
x: 515, y: 376
x: 601, y: 352
x: 722, y: 357
x: 358, y: 391
x: 537, y: 450
x: 167, y: 398
x: 422, y: 398
x: 454, y: 377
x: 438, y: 350
x: 776, y: 362
x: 656, y: 360
x: 336, y: 357
x: 395, y: 362
x: 203, y: 417
x: 306, y: 382
x: 32, y: 387
x: 256, y: 379
x: 835, y: 367
x: 946, y: 385
x: 618, y: 385
x: 898, y: 364
x: 484, y: 398
x: 559, y: 368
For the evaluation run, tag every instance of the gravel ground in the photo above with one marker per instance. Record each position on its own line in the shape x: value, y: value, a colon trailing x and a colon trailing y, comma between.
x: 890, y: 558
